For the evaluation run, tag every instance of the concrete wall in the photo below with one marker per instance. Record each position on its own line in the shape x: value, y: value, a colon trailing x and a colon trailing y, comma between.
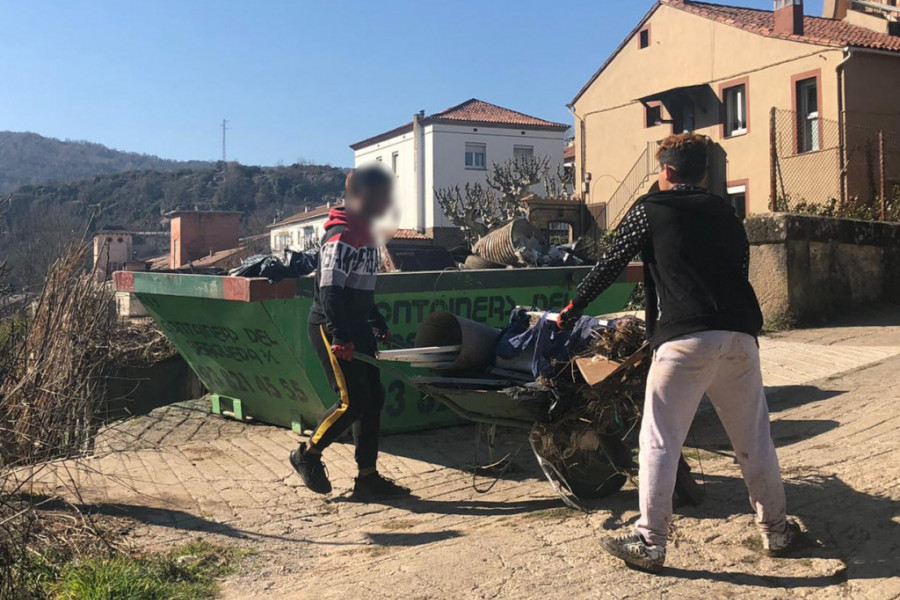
x: 405, y: 189
x: 688, y: 50
x: 870, y: 108
x: 810, y: 269
x: 111, y: 251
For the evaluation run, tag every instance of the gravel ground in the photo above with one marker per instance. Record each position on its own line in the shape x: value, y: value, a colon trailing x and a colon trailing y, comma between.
x: 181, y: 473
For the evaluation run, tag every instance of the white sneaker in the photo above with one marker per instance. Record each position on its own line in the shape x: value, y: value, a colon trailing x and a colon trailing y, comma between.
x: 635, y: 552
x: 779, y: 544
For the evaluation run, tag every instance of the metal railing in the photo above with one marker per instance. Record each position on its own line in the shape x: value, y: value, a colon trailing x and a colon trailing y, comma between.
x: 630, y: 188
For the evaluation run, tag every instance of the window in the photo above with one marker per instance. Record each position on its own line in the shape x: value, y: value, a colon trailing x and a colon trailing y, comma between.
x: 523, y: 152
x: 395, y: 163
x: 309, y: 237
x: 808, y: 136
x: 644, y: 38
x: 283, y: 240
x: 653, y: 114
x: 735, y: 99
x: 737, y: 197
x: 476, y: 156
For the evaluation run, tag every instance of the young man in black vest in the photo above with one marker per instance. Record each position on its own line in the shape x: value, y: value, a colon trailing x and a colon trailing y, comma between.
x: 702, y: 320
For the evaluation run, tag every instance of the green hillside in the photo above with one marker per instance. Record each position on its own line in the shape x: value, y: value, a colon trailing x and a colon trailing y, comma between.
x: 29, y: 159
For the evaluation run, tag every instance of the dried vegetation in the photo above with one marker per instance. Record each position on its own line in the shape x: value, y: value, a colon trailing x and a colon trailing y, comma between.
x: 53, y: 361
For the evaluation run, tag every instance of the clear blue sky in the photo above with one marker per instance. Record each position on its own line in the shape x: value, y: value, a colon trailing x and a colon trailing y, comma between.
x: 297, y: 79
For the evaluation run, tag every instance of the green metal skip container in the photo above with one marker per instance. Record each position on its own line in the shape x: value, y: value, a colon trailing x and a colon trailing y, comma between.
x: 246, y: 338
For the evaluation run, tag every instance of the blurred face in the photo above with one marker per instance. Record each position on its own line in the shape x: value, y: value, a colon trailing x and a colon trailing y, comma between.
x: 370, y: 203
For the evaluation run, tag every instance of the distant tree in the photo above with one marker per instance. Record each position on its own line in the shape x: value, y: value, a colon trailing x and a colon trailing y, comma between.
x: 42, y: 218
x: 478, y: 209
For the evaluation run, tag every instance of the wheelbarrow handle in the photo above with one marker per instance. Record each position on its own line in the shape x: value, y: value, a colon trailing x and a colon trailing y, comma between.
x: 435, y: 393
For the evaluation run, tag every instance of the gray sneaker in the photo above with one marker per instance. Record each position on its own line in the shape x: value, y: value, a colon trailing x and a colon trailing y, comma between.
x: 779, y: 544
x: 635, y: 552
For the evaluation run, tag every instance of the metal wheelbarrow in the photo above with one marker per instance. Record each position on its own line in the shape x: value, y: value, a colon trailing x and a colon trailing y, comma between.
x: 597, y: 470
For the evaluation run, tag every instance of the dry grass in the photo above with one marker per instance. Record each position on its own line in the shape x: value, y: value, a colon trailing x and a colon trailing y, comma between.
x: 53, y: 363
x: 50, y: 391
x: 50, y: 394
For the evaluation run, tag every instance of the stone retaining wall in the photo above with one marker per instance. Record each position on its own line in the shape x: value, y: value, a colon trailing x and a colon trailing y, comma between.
x: 808, y: 269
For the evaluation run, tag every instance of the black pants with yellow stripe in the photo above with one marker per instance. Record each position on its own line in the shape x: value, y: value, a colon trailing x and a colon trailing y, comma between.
x: 360, y: 399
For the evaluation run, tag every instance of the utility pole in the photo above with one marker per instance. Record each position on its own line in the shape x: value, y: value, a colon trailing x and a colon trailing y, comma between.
x: 224, y: 129
x: 882, y: 176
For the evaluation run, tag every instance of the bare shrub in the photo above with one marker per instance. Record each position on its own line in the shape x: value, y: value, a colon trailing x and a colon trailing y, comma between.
x: 51, y: 389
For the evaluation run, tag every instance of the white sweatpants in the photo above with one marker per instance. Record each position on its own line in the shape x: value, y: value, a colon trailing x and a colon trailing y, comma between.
x: 725, y: 366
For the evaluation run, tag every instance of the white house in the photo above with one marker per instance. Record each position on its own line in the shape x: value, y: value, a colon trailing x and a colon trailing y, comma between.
x: 301, y: 231
x: 454, y: 147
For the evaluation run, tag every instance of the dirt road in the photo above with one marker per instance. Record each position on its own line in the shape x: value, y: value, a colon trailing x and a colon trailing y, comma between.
x: 835, y: 400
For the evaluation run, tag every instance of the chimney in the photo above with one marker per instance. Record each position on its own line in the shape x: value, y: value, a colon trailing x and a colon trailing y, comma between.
x: 789, y: 17
x: 196, y: 234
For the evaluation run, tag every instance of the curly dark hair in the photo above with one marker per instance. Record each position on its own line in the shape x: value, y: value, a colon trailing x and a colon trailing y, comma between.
x: 687, y: 154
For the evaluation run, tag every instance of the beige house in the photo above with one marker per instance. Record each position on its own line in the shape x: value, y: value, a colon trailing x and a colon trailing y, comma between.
x: 720, y: 71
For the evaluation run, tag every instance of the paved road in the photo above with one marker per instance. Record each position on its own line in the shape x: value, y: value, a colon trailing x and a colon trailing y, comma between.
x: 181, y: 473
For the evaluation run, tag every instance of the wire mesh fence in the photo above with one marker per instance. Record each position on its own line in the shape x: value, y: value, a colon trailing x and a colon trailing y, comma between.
x: 820, y: 168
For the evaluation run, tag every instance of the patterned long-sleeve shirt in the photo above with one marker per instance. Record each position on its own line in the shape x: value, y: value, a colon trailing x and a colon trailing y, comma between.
x: 631, y: 236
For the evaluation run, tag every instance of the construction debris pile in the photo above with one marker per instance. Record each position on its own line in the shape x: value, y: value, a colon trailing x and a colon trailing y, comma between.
x: 582, y: 389
x: 599, y: 394
x: 518, y: 245
x: 590, y: 378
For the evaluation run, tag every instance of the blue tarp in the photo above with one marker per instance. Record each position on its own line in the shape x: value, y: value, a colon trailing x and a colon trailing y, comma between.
x: 546, y: 342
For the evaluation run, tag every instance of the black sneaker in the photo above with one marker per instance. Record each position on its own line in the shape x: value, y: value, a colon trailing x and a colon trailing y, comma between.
x: 375, y: 487
x: 636, y: 553
x: 311, y: 469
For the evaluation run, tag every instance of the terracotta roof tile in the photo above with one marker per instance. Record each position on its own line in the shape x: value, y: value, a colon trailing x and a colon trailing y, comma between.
x: 472, y: 111
x: 410, y: 234
x: 315, y: 213
x: 479, y: 111
x: 817, y: 30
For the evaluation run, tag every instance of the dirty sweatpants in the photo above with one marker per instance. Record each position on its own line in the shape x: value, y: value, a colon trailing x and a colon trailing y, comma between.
x: 725, y: 366
x: 360, y: 398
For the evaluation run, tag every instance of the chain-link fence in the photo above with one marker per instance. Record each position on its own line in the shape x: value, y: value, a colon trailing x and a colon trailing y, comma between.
x: 819, y: 169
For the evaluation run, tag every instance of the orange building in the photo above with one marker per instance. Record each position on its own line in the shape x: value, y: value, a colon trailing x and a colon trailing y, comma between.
x: 720, y: 71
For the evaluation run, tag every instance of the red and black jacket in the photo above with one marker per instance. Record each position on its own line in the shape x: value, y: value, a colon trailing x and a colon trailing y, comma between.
x: 345, y: 282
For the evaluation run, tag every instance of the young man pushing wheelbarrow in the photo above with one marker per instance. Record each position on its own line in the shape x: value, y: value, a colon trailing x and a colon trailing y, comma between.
x: 702, y: 321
